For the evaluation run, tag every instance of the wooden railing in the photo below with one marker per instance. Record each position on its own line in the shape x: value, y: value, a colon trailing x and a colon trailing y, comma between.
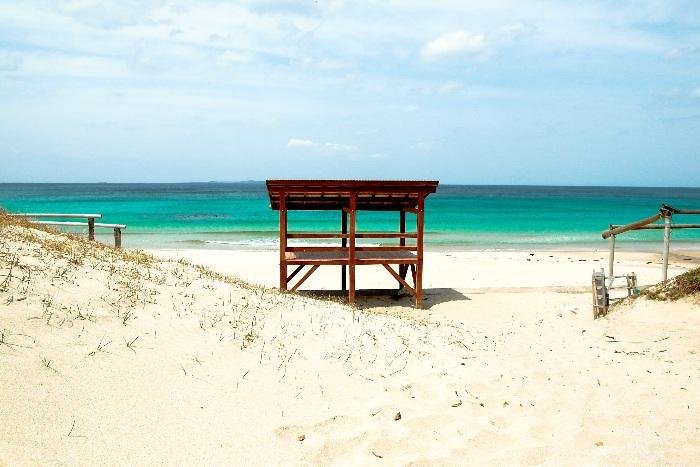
x: 345, y: 247
x: 357, y: 235
x: 90, y: 224
x: 666, y: 212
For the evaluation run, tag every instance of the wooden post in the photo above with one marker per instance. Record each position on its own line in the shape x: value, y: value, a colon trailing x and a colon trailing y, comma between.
x: 419, y: 251
x: 117, y: 237
x: 283, y: 241
x: 403, y: 268
x: 344, y: 244
x: 667, y: 246
x: 351, y: 250
x: 91, y: 228
x: 611, y: 260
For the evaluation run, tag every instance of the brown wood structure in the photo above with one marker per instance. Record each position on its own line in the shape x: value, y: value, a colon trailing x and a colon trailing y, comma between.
x: 349, y: 197
x: 91, y: 224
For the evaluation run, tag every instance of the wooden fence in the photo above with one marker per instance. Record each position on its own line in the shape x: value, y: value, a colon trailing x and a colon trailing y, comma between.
x: 666, y: 213
x: 90, y: 224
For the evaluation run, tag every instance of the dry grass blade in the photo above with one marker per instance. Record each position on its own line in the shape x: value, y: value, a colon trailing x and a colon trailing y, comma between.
x: 684, y: 285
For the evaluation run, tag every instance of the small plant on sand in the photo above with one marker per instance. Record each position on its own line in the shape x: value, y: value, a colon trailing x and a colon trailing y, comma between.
x: 100, y: 347
x: 685, y: 285
x: 126, y: 316
x: 249, y: 338
x: 130, y: 344
x: 47, y: 363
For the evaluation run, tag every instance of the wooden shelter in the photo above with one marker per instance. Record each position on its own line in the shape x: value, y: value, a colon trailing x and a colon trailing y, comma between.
x: 348, y: 197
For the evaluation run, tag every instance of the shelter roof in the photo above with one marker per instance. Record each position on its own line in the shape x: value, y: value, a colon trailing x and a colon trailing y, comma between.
x: 372, y: 195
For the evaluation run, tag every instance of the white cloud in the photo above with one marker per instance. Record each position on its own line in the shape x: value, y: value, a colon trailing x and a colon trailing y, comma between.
x: 297, y: 143
x: 108, y: 14
x: 327, y: 147
x: 454, y: 43
x: 335, y: 147
x: 464, y: 43
x: 696, y: 93
x: 235, y: 57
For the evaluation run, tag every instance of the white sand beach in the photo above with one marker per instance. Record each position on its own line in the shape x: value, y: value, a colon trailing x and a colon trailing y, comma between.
x: 117, y: 357
x: 456, y: 269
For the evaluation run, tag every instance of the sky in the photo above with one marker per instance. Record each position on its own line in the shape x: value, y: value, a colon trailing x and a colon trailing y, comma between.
x: 475, y: 92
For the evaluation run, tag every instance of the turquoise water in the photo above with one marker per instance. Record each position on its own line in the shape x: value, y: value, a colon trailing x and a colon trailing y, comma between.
x: 237, y: 215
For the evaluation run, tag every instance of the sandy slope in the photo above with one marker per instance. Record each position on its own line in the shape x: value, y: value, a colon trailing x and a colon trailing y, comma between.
x: 117, y: 358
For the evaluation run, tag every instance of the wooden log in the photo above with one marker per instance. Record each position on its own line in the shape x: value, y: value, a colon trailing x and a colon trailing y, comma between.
x: 632, y: 226
x: 315, y: 249
x: 687, y: 211
x: 304, y: 277
x: 663, y: 226
x: 295, y: 272
x: 358, y: 261
x: 399, y: 235
x: 319, y: 261
x: 386, y: 261
x: 671, y: 210
x: 91, y: 228
x: 400, y: 279
x: 316, y: 235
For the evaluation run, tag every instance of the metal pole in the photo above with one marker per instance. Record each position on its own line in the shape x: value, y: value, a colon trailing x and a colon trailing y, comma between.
x: 667, y: 246
x: 611, y: 260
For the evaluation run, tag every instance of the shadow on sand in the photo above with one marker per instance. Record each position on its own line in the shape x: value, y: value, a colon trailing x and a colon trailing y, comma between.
x: 371, y: 298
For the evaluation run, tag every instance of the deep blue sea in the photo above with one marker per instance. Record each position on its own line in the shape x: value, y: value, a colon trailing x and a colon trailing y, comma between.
x: 237, y: 215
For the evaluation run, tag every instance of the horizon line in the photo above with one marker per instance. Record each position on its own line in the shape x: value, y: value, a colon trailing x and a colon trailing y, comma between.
x: 250, y: 181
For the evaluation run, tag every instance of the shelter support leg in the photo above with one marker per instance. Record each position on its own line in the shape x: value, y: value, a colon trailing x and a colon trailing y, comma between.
x: 419, y: 286
x: 351, y: 249
x: 91, y: 228
x: 403, y: 268
x: 283, y: 241
x: 419, y: 252
x: 344, y: 244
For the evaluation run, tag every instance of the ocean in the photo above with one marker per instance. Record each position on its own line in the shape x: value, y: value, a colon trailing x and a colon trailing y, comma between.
x: 237, y: 215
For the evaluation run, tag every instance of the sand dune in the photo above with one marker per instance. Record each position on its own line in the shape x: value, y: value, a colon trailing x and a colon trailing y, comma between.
x: 114, y: 357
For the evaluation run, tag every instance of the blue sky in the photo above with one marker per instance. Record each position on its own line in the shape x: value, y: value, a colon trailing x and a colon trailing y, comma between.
x: 478, y: 92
